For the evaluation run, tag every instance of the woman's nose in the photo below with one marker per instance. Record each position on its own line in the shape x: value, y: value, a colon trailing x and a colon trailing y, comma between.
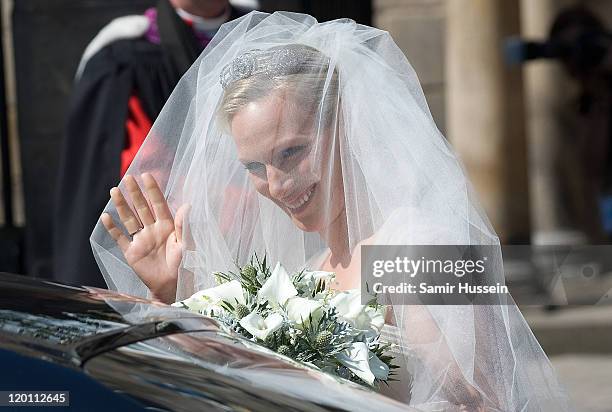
x: 278, y: 182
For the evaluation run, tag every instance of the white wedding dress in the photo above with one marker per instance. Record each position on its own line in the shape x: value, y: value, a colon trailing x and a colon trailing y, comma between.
x: 290, y: 137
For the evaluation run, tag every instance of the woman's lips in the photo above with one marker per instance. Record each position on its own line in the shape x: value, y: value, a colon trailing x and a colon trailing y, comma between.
x: 301, y: 200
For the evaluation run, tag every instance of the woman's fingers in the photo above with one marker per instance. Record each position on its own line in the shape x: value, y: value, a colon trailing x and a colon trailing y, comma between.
x: 156, y: 197
x: 129, y: 220
x: 179, y: 219
x: 140, y: 203
x: 115, y: 232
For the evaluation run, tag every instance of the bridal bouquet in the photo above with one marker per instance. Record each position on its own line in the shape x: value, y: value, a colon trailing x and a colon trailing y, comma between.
x: 299, y: 316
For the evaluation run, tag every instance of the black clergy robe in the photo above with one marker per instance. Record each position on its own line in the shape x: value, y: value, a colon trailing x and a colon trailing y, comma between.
x: 96, y: 132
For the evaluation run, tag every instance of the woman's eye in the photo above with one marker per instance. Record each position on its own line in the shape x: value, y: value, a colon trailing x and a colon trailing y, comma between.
x: 255, y: 167
x: 291, y: 151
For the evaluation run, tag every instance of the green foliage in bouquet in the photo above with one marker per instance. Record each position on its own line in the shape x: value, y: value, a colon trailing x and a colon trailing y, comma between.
x: 302, y: 318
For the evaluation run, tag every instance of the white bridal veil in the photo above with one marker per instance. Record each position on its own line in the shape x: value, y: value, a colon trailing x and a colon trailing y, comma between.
x: 339, y: 149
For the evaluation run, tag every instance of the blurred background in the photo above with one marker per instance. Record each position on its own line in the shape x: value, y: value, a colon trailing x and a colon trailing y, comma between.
x: 522, y: 90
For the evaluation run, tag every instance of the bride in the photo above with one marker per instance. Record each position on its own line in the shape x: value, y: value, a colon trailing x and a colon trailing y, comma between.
x: 305, y: 141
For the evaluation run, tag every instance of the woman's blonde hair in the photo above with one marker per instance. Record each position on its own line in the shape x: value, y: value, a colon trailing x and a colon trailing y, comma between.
x: 310, y: 80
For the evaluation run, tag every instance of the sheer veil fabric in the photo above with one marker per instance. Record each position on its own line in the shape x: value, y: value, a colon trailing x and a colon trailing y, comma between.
x: 296, y: 139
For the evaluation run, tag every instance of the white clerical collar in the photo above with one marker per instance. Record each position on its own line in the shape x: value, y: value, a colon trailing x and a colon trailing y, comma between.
x: 202, y: 24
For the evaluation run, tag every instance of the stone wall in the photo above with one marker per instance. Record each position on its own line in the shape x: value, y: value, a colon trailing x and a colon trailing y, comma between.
x: 521, y: 171
x: 417, y: 26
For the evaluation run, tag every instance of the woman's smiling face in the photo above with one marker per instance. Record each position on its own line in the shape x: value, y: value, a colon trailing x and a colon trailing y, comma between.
x: 291, y: 158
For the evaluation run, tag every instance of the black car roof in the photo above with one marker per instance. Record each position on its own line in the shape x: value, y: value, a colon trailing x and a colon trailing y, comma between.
x: 72, y: 324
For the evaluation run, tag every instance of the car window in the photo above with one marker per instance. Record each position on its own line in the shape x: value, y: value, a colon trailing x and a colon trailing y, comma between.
x: 70, y: 328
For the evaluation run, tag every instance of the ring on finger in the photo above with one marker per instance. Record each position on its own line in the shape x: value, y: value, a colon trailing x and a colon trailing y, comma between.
x: 135, y: 232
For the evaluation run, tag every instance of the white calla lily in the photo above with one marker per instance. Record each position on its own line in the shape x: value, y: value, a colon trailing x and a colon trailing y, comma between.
x: 371, y: 318
x: 278, y: 287
x: 319, y: 274
x: 362, y: 317
x: 309, y: 278
x: 356, y: 358
x: 378, y: 367
x: 199, y: 304
x: 286, y: 306
x: 259, y: 326
x: 230, y: 292
x: 347, y: 303
x: 208, y: 301
x: 300, y: 309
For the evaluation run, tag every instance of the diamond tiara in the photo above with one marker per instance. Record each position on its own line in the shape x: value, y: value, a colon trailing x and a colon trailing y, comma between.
x: 271, y: 63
